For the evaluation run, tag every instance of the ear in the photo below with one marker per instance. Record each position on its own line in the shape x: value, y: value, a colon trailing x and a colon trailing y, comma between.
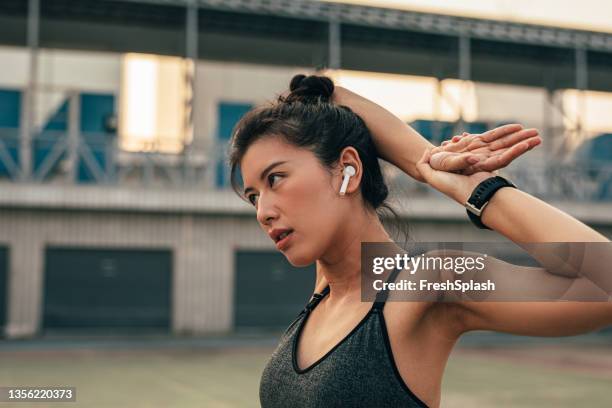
x: 350, y: 157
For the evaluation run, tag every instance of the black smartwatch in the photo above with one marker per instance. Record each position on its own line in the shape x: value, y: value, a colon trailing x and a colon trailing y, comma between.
x: 481, y: 195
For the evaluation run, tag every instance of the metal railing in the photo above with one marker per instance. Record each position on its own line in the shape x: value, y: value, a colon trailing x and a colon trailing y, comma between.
x: 99, y: 160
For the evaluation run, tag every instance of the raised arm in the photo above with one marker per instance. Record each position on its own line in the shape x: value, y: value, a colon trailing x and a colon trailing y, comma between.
x: 525, y: 220
x: 401, y: 145
x: 390, y: 134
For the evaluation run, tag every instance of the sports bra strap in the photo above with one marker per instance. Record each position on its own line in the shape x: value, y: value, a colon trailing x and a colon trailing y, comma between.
x: 381, y: 297
x: 316, y: 298
x: 379, y: 302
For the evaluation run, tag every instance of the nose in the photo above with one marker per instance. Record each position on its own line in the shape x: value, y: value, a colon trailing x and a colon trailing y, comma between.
x: 265, y: 211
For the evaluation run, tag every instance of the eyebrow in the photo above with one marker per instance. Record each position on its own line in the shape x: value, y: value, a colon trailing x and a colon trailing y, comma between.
x: 263, y: 174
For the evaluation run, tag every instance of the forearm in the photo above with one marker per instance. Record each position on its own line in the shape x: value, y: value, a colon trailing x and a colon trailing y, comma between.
x: 396, y: 141
x: 527, y: 221
x: 522, y: 217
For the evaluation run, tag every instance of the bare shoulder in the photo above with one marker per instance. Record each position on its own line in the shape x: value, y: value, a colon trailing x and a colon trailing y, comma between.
x: 427, y: 312
x: 429, y: 315
x: 432, y: 322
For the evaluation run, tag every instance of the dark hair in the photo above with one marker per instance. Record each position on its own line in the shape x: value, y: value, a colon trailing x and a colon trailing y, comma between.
x: 307, y: 118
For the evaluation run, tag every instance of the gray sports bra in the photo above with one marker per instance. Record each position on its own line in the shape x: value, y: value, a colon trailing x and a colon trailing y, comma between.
x: 358, y: 372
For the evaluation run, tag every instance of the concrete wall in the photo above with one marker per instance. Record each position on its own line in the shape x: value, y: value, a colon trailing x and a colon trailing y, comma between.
x: 203, y: 229
x: 203, y: 248
x: 83, y: 70
x: 233, y: 82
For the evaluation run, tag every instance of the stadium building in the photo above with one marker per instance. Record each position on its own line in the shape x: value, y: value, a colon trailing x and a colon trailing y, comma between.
x: 115, y: 207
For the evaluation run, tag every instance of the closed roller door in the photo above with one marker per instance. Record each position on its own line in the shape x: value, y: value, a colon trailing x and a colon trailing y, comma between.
x: 110, y: 288
x: 269, y: 291
x: 3, y: 287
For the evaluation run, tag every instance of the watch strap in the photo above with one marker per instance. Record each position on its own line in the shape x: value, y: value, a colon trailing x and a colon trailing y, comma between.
x: 481, y: 195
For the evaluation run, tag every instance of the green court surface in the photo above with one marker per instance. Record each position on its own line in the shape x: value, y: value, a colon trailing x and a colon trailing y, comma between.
x: 229, y: 377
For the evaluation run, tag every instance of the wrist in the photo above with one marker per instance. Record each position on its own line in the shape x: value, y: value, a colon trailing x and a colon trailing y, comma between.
x: 461, y: 192
x: 462, y: 189
x: 482, y: 196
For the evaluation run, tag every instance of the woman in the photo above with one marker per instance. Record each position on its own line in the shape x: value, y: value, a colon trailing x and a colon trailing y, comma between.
x: 340, y: 351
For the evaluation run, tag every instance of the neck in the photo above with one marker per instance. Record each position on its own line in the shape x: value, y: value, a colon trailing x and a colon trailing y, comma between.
x: 340, y: 266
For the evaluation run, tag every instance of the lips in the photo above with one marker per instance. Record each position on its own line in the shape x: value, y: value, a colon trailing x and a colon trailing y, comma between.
x: 284, y: 240
x: 278, y: 233
x: 283, y: 235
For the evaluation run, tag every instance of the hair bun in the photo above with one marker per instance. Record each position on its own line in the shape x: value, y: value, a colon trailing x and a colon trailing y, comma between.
x: 310, y: 88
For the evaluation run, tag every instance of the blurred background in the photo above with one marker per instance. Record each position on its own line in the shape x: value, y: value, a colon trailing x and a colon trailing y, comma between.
x: 123, y: 249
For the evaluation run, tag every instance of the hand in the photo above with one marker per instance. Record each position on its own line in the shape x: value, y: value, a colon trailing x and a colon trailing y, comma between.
x: 459, y: 187
x: 470, y: 153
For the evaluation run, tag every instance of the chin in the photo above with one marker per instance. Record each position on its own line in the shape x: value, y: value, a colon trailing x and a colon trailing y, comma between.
x: 299, y: 262
x: 299, y: 259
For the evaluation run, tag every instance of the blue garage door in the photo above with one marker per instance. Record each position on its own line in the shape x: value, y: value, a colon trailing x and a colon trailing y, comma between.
x: 3, y: 287
x: 269, y: 292
x: 107, y: 288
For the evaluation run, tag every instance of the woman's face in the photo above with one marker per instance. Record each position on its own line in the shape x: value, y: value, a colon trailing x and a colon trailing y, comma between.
x: 296, y: 193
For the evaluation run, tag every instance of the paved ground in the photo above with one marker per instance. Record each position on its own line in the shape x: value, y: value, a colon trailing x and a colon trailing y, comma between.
x: 224, y: 371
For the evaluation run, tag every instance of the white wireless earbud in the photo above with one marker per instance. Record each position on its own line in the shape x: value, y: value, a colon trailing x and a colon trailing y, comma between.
x: 347, y: 172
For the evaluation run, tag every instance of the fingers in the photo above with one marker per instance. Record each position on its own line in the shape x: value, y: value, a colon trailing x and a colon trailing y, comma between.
x: 458, y: 137
x: 500, y: 140
x: 513, y: 139
x: 490, y: 138
x: 454, y: 139
x: 501, y: 137
x: 503, y: 159
x: 465, y: 142
x: 501, y: 131
x: 512, y: 153
x: 533, y: 142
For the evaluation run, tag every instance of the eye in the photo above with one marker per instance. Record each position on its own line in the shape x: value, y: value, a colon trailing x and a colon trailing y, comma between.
x: 272, y: 175
x: 252, y: 197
